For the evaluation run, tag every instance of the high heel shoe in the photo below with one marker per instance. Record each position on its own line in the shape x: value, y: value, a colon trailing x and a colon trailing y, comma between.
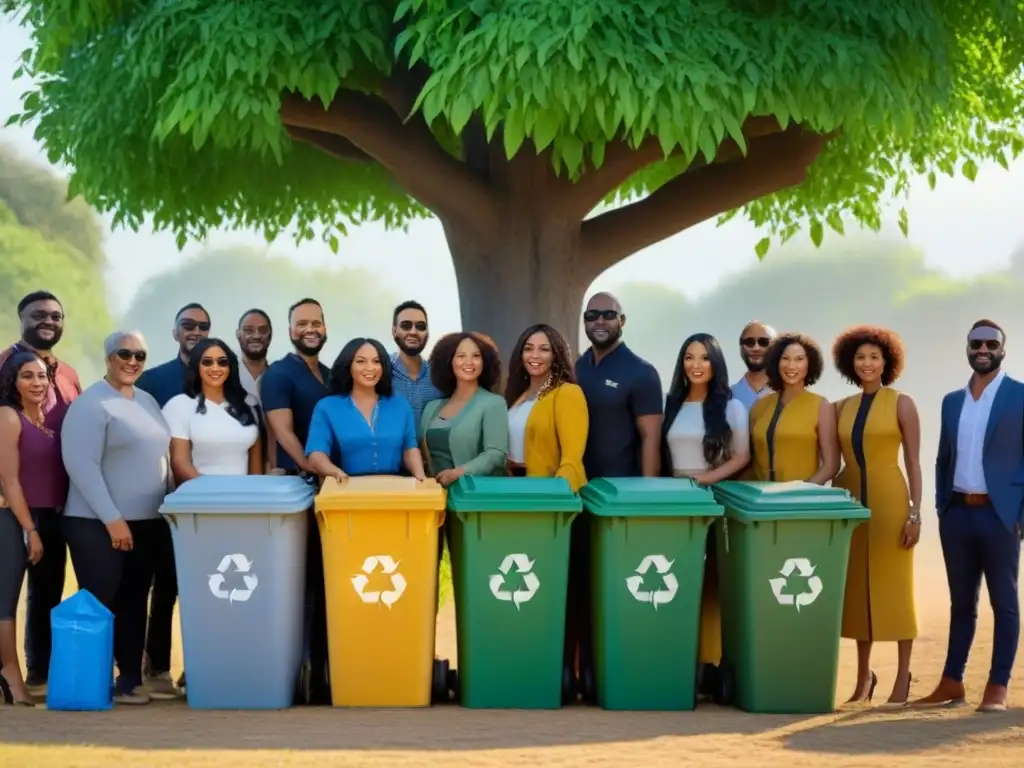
x: 899, y: 704
x: 870, y: 693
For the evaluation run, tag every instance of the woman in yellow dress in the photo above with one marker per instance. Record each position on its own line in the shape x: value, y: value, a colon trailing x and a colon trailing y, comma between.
x: 879, y: 602
x: 793, y: 430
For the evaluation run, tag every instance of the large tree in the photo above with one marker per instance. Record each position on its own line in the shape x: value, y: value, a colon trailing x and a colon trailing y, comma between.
x: 513, y: 121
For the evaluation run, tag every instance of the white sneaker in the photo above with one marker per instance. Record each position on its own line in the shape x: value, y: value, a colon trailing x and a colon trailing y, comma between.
x: 137, y: 696
x: 161, y: 687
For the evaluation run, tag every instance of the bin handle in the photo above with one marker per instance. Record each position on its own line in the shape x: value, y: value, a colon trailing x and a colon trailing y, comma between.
x: 322, y: 520
x: 441, y: 515
x: 725, y: 534
x: 568, y: 517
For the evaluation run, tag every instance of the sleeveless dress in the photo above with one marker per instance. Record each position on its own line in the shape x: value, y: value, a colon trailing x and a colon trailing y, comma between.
x: 879, y: 602
x: 784, y: 441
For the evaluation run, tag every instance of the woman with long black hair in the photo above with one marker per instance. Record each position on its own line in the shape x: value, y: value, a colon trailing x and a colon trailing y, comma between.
x: 214, y: 427
x: 705, y: 436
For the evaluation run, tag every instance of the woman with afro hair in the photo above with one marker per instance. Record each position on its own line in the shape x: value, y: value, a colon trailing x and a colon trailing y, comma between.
x: 872, y: 427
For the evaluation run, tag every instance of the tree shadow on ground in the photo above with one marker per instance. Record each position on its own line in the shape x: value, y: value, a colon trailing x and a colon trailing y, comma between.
x: 902, y: 731
x: 164, y: 725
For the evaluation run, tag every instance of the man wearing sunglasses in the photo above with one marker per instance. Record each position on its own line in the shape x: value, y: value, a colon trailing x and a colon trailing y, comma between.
x: 979, y: 498
x: 755, y: 338
x: 42, y: 325
x: 410, y: 372
x: 191, y: 325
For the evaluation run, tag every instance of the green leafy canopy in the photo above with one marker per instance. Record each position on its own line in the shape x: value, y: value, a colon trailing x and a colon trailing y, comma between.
x: 170, y: 108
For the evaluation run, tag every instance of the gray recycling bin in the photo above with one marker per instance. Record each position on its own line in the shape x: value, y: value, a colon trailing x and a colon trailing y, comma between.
x: 240, y: 551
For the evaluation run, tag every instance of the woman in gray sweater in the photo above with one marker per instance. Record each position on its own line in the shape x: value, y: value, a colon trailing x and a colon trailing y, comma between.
x: 115, y: 446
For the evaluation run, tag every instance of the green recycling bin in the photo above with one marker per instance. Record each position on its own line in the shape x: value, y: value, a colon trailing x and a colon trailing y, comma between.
x: 783, y: 549
x: 647, y: 538
x: 510, y: 571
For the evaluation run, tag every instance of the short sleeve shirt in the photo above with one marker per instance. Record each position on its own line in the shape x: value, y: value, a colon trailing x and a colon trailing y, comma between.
x: 619, y: 389
x: 220, y: 443
x: 341, y: 431
x: 289, y: 384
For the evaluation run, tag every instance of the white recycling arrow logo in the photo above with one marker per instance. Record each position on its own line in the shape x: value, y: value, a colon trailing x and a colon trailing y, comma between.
x: 242, y: 565
x: 530, y: 583
x: 669, y: 583
x: 802, y: 567
x: 387, y: 596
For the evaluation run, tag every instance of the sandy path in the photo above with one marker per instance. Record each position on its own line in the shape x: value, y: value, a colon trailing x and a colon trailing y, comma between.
x: 167, y: 734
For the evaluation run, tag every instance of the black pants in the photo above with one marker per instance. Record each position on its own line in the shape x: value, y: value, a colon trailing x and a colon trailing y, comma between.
x: 578, y: 630
x: 45, y: 590
x: 316, y: 599
x: 161, y: 609
x: 119, y: 580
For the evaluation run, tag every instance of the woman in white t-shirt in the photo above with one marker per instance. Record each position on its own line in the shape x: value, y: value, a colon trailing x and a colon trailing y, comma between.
x: 214, y: 427
x: 705, y: 436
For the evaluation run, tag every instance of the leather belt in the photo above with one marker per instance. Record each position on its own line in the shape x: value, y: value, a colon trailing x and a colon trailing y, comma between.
x: 971, y: 499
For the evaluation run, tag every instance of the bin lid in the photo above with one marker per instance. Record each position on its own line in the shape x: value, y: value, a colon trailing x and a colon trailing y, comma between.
x: 649, y: 497
x: 484, y: 493
x: 380, y: 493
x: 797, y: 500
x: 240, y: 495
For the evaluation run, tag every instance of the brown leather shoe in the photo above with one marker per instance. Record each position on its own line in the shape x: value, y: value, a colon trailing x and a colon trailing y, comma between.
x: 948, y: 693
x: 994, y: 699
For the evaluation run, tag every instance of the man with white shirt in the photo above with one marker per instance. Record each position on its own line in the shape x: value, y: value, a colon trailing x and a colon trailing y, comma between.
x: 979, y: 495
x: 254, y: 334
x: 755, y: 338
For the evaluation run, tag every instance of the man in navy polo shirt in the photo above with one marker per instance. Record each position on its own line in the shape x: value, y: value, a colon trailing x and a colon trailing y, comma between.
x: 290, y: 390
x: 191, y: 325
x: 624, y: 400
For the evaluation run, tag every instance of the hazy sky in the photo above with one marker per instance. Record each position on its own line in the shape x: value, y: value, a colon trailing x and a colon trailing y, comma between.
x: 963, y: 228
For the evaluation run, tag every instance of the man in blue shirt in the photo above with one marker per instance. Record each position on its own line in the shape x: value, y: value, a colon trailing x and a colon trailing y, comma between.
x: 191, y: 325
x: 411, y: 372
x: 755, y: 338
x: 290, y: 390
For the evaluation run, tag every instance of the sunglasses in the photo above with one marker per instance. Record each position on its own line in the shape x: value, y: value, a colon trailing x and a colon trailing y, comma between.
x: 209, y: 362
x: 750, y: 342
x: 128, y: 354
x: 192, y: 325
x: 41, y: 315
x: 408, y: 325
x: 991, y: 344
x: 592, y: 315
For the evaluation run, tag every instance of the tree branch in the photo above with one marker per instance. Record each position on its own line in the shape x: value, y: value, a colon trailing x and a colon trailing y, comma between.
x: 622, y: 161
x: 773, y: 163
x: 337, y: 146
x: 409, y: 151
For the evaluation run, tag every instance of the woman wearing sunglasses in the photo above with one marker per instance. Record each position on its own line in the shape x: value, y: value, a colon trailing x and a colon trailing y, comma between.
x: 115, y: 447
x: 214, y: 426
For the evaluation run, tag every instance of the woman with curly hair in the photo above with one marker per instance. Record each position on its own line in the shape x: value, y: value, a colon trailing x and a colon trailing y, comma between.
x: 466, y: 431
x: 873, y: 426
x: 793, y: 430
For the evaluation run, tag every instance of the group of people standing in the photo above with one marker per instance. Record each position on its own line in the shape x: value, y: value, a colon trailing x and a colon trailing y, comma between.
x: 89, y: 470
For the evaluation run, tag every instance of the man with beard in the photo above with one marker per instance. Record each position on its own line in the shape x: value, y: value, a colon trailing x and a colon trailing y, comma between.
x: 755, y: 338
x: 290, y: 390
x: 191, y: 325
x: 42, y: 325
x: 979, y: 500
x: 410, y: 372
x: 624, y: 401
x: 254, y: 334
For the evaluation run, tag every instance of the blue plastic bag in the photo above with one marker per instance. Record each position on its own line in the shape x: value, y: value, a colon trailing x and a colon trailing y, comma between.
x: 82, y: 660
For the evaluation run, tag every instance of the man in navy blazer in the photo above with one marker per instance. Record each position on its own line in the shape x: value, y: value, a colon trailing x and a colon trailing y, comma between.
x: 979, y: 495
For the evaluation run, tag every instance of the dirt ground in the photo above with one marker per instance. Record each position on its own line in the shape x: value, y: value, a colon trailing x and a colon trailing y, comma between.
x: 168, y: 734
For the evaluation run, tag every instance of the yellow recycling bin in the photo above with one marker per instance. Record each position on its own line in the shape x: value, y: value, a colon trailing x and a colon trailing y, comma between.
x: 379, y: 538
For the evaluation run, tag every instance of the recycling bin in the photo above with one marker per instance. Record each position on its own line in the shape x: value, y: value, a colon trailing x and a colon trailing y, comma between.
x: 82, y: 660
x: 783, y: 550
x: 240, y: 551
x: 510, y: 571
x: 379, y: 537
x: 648, y: 538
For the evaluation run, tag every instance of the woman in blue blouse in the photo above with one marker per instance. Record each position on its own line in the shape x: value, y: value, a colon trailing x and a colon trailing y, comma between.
x: 361, y: 428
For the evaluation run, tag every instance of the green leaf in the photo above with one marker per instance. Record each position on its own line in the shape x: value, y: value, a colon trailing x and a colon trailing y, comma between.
x: 513, y: 133
x: 903, y: 222
x: 332, y: 243
x: 931, y: 180
x: 835, y: 221
x: 462, y: 110
x: 817, y: 232
x: 969, y: 169
x: 761, y: 249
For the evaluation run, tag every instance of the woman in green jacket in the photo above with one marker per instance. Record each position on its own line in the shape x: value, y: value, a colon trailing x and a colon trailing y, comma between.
x: 466, y: 431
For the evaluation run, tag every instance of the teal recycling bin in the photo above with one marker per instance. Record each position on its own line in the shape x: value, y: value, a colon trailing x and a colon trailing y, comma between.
x: 240, y: 551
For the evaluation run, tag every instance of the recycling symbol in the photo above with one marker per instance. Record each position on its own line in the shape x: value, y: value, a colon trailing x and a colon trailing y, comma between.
x: 669, y: 583
x: 388, y: 596
x: 242, y: 565
x: 530, y: 582
x: 802, y: 566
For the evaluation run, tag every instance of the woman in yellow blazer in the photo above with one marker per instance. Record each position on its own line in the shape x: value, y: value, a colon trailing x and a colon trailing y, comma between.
x: 547, y: 413
x: 793, y: 430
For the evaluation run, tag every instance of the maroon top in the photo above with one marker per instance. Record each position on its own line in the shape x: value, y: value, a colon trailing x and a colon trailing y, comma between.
x: 65, y: 388
x: 44, y: 480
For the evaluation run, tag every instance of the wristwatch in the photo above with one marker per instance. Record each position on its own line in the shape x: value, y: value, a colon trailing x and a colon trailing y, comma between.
x: 914, y: 516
